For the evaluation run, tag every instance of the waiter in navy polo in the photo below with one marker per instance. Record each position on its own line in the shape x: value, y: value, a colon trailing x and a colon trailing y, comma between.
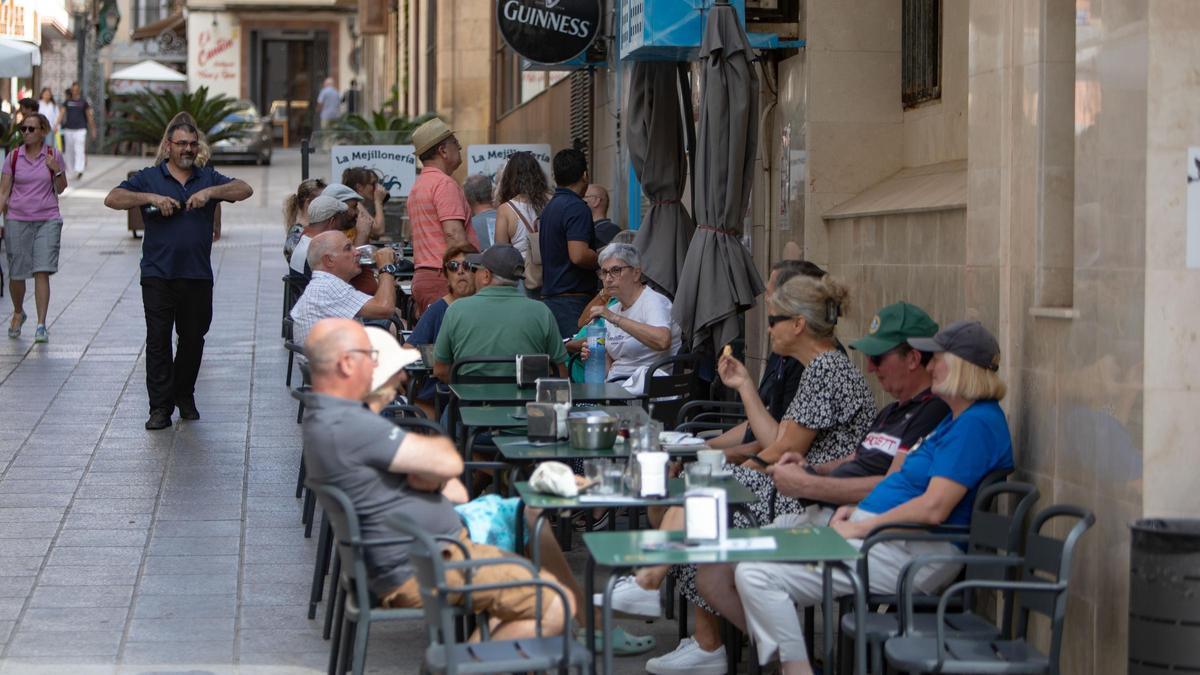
x: 177, y: 278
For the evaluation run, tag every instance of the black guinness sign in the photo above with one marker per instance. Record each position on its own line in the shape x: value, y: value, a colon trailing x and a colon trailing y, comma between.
x: 548, y: 31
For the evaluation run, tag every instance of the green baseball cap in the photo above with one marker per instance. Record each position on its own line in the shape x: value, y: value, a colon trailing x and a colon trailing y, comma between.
x: 894, y: 325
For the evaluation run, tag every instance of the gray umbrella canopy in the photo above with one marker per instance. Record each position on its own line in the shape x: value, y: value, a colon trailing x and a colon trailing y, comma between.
x: 657, y: 148
x: 719, y: 279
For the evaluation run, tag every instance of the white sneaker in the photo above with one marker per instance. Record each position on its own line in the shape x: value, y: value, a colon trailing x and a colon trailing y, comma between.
x: 688, y: 659
x: 629, y: 598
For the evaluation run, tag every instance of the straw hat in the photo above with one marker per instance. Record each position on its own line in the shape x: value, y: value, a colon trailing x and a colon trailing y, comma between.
x: 429, y: 134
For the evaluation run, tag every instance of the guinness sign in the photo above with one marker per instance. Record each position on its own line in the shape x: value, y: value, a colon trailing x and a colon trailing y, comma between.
x: 548, y: 31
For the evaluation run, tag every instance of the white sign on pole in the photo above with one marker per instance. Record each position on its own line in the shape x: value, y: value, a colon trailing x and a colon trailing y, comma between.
x: 490, y: 159
x: 395, y: 164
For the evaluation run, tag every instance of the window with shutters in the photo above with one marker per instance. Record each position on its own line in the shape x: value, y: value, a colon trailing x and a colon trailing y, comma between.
x: 921, y: 52
x: 581, y: 112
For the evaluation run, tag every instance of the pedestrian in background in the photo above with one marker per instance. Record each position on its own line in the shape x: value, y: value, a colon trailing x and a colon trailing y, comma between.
x: 31, y: 181
x: 328, y: 103
x: 597, y: 200
x: 49, y: 109
x: 438, y: 210
x: 483, y: 207
x: 523, y: 194
x: 177, y: 277
x: 75, y: 121
x: 568, y: 243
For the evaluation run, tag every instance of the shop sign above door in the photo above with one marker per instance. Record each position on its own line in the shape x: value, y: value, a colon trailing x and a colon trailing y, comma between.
x: 548, y: 31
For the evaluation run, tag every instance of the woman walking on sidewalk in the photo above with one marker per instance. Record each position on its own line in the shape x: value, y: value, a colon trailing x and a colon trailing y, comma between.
x: 75, y: 121
x: 31, y: 181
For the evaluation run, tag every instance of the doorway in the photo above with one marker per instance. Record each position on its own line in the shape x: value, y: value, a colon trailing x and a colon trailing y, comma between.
x: 287, y: 69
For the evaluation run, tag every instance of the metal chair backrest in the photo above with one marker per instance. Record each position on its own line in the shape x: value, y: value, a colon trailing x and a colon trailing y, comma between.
x: 400, y: 411
x: 668, y: 393
x: 458, y: 377
x: 1048, y: 558
x: 420, y: 425
x: 994, y: 532
x: 293, y: 288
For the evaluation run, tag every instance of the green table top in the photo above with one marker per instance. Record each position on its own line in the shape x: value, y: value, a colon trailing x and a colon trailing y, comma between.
x: 510, y: 393
x: 802, y: 544
x: 519, y: 449
x: 736, y: 493
x: 493, y: 417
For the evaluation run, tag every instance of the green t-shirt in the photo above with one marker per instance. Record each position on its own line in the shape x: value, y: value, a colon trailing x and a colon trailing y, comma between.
x: 498, y: 321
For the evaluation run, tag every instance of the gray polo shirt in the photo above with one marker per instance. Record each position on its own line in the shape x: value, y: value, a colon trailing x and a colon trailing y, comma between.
x: 348, y: 446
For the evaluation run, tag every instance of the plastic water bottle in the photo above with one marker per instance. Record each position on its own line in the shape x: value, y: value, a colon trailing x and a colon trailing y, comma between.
x: 595, y: 369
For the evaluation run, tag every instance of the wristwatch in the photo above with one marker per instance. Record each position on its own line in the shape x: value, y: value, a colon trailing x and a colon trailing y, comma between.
x: 390, y: 268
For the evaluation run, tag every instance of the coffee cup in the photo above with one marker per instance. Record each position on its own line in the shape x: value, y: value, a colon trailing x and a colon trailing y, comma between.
x: 714, y: 458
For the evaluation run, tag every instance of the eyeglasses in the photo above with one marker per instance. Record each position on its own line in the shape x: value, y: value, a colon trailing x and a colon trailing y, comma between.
x: 776, y: 318
x: 186, y: 144
x: 456, y: 265
x: 474, y: 267
x: 30, y: 130
x: 372, y: 353
x: 614, y: 271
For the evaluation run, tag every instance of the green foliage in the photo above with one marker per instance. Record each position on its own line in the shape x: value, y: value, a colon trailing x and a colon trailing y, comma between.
x: 143, y: 117
x: 381, y: 128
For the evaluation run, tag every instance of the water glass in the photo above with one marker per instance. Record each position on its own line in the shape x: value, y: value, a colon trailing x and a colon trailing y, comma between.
x: 613, y: 479
x: 697, y: 474
x: 593, y: 471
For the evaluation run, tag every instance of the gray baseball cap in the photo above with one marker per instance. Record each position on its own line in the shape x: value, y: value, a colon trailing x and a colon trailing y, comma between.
x: 324, y: 207
x: 502, y: 260
x: 340, y: 192
x: 968, y: 340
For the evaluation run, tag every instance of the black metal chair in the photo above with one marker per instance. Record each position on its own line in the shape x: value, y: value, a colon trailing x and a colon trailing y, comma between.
x: 701, y: 416
x: 360, y: 609
x: 1042, y: 588
x: 447, y: 653
x: 667, y: 394
x: 993, y: 551
x: 293, y: 288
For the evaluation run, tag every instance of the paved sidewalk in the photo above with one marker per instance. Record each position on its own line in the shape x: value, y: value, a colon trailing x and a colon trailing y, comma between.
x: 123, y: 550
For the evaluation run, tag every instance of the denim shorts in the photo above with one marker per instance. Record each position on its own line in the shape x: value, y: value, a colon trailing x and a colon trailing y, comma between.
x: 32, y: 246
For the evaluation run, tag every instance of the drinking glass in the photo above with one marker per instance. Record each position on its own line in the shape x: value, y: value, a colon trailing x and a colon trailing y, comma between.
x: 697, y: 474
x: 614, y: 479
x: 593, y: 471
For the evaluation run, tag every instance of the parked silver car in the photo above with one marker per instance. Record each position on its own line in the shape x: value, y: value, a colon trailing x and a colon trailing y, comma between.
x: 254, y: 145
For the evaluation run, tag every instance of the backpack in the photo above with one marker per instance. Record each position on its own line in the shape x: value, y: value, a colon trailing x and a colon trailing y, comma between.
x: 533, y: 265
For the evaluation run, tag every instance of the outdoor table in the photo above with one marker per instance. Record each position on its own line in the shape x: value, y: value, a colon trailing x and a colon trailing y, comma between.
x: 521, y: 449
x: 624, y: 551
x: 509, y: 393
x: 736, y: 494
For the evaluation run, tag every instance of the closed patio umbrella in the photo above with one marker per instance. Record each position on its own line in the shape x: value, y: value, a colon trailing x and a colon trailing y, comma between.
x: 17, y: 57
x: 658, y: 150
x: 719, y: 279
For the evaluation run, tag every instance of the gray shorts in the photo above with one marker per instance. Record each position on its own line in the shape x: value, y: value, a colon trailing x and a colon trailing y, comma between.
x: 32, y: 246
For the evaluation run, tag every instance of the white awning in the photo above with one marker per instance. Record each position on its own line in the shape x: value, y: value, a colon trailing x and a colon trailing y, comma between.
x: 17, y: 58
x: 148, y: 71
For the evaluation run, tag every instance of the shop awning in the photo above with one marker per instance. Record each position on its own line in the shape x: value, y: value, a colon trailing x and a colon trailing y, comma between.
x: 17, y: 58
x: 153, y: 30
x: 148, y: 71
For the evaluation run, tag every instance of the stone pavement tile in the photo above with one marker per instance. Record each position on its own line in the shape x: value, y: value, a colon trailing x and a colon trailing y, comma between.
x: 16, y: 586
x: 198, y: 528
x: 273, y: 536
x: 6, y: 629
x: 182, y: 630
x: 13, y: 530
x: 173, y: 494
x: 307, y: 660
x: 273, y: 594
x: 10, y: 608
x: 36, y: 665
x: 83, y: 596
x: 88, y: 575
x: 135, y: 521
x: 192, y: 656
x: 282, y: 618
x: 274, y: 519
x: 70, y: 641
x: 116, y: 491
x: 186, y: 512
x: 29, y: 487
x: 289, y: 502
x: 42, y: 473
x: 188, y: 584
x: 192, y: 564
x: 21, y: 565
x: 280, y: 572
x: 153, y: 478
x: 117, y: 556
x: 70, y: 618
x: 302, y: 552
x: 122, y: 465
x: 259, y: 640
x: 40, y: 460
x: 114, y: 506
x: 108, y: 537
x: 32, y: 514
x: 147, y: 606
x: 37, y: 499
x: 25, y: 547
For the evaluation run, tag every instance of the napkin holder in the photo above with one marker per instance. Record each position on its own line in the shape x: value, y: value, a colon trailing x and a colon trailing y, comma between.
x: 553, y: 390
x: 705, y: 515
x: 542, y: 421
x: 652, y: 473
x: 530, y: 367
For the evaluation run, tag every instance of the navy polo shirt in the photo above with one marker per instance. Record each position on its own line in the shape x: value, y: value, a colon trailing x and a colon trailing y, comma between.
x: 179, y: 246
x: 566, y: 218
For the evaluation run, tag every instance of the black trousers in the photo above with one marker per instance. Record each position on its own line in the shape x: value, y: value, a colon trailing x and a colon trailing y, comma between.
x: 184, y: 305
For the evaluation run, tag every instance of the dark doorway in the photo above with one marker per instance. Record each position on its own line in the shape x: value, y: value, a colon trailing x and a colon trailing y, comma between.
x: 287, y: 69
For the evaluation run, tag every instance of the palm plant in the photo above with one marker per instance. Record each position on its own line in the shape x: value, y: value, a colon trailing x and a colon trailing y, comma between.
x: 143, y: 117
x: 381, y: 128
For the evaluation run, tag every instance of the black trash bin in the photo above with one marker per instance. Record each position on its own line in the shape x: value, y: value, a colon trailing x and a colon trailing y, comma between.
x: 1164, y: 596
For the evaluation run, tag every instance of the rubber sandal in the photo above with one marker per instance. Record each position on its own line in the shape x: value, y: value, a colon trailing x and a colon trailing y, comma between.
x: 624, y: 644
x: 16, y: 331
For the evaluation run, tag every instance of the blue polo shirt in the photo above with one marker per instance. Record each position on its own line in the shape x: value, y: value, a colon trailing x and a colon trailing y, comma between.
x: 566, y: 218
x: 178, y: 247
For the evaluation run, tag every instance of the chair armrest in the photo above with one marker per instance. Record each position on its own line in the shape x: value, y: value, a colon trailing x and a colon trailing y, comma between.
x: 732, y: 406
x: 293, y: 347
x: 963, y: 586
x: 568, y: 623
x: 482, y: 562
x: 908, y: 573
x: 900, y: 532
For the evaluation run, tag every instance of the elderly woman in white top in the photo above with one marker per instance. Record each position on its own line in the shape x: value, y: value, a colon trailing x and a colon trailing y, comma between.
x: 640, y: 330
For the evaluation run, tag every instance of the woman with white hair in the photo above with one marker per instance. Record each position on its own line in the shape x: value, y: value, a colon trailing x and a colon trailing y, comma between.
x: 640, y: 330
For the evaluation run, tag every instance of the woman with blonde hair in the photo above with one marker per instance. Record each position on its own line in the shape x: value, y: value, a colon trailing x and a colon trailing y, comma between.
x: 295, y: 212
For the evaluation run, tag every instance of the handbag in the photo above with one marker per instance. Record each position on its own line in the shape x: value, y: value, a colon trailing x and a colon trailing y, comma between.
x: 533, y: 264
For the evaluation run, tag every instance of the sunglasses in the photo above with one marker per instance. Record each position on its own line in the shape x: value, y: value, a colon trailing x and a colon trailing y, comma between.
x: 776, y: 318
x: 456, y: 265
x: 30, y: 130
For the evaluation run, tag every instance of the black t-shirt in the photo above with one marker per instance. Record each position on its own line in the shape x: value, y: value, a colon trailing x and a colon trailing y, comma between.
x: 780, y: 381
x: 76, y: 113
x: 897, y: 427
